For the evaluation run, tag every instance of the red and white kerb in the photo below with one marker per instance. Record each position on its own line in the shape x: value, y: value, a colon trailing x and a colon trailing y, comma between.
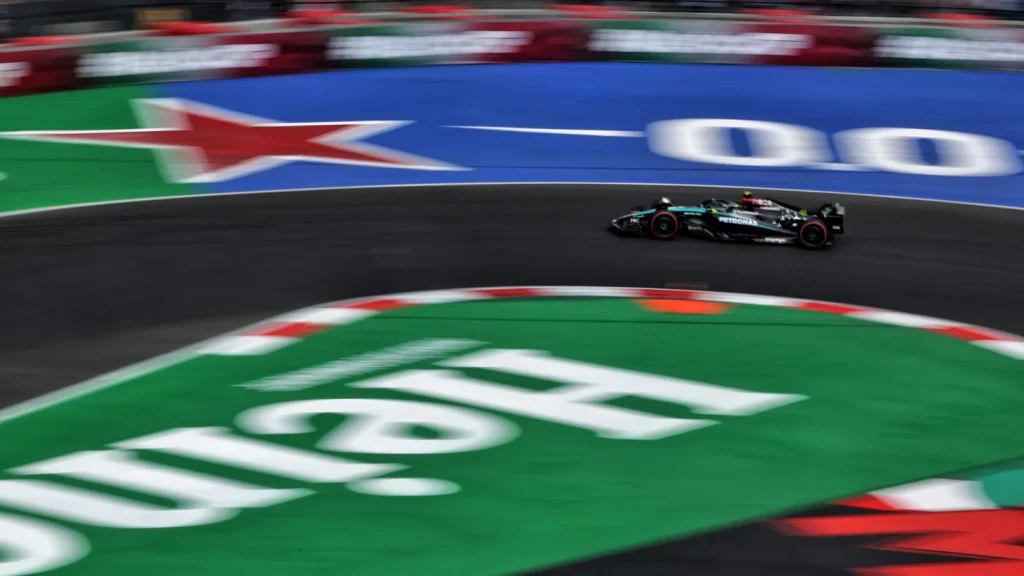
x: 289, y: 328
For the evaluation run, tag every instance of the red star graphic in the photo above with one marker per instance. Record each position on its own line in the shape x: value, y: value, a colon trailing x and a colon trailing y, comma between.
x: 201, y: 143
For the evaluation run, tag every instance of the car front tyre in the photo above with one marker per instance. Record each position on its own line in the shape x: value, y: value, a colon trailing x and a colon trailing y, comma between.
x: 664, y: 225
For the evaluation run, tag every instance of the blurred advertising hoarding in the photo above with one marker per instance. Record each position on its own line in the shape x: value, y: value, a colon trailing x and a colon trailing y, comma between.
x: 289, y: 51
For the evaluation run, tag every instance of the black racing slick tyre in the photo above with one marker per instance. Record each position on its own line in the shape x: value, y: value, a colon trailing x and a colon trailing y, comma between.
x: 664, y: 225
x: 814, y: 235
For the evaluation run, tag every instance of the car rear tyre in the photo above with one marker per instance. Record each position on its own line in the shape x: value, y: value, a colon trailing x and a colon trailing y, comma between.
x: 813, y: 235
x: 664, y: 225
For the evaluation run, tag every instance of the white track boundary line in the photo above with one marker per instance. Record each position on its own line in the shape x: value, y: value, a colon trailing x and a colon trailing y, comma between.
x: 29, y: 211
x: 111, y: 379
x: 175, y: 357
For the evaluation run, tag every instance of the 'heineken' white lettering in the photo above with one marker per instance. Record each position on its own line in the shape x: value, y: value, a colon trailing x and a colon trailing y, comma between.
x: 225, y: 57
x: 577, y: 404
x: 193, y: 489
x: 381, y: 426
x: 455, y: 44
x: 11, y: 74
x: 220, y: 446
x: 369, y: 362
x: 370, y: 426
x: 672, y: 42
x: 29, y: 546
x: 607, y: 421
x: 93, y: 508
x: 925, y: 48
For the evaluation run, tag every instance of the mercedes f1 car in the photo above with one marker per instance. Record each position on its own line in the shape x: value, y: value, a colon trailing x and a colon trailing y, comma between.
x: 753, y: 219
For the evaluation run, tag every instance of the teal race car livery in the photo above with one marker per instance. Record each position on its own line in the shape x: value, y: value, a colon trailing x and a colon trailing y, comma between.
x: 753, y: 219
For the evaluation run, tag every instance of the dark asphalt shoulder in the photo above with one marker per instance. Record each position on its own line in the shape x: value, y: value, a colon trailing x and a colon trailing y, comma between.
x: 88, y: 290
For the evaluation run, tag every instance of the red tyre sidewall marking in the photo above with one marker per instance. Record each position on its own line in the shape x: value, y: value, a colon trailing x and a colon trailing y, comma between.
x: 674, y: 220
x: 819, y: 225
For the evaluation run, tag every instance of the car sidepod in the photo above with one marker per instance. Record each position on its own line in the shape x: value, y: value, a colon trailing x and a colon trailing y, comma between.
x: 746, y: 226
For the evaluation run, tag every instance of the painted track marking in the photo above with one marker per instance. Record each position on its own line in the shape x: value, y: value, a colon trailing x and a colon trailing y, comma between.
x: 280, y: 331
x: 29, y: 211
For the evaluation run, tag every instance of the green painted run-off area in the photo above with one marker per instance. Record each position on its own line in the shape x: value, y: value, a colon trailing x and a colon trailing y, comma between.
x: 42, y: 174
x: 846, y: 406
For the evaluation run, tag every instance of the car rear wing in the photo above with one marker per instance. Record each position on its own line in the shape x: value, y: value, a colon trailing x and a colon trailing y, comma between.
x: 833, y: 215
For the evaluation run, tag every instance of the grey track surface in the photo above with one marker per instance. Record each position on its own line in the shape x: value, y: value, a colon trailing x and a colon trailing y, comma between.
x: 89, y: 290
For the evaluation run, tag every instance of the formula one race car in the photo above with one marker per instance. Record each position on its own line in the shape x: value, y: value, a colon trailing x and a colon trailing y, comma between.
x: 758, y: 220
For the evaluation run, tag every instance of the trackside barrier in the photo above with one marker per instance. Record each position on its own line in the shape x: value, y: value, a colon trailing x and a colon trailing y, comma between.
x: 313, y: 41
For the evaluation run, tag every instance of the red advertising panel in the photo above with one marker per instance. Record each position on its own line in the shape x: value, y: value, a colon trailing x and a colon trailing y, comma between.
x: 282, y: 53
x: 35, y: 71
x: 828, y: 45
x: 532, y: 41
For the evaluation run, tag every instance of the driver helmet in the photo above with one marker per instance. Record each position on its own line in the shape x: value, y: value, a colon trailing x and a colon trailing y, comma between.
x: 747, y: 194
x: 666, y: 201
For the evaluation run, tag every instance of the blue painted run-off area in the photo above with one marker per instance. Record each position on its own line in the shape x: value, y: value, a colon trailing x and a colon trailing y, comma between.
x: 983, y: 109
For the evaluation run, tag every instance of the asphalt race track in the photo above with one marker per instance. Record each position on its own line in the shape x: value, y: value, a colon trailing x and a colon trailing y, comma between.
x: 85, y: 291
x: 89, y: 290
